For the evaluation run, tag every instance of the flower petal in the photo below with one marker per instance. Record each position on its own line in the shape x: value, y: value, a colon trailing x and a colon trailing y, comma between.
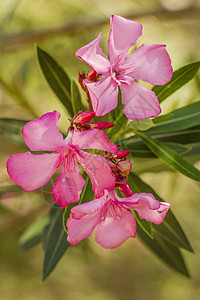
x: 68, y: 185
x: 32, y: 171
x: 123, y: 35
x: 140, y: 103
x: 112, y: 232
x: 79, y: 211
x: 104, y: 95
x: 42, y: 134
x: 99, y: 172
x: 147, y: 206
x: 150, y: 63
x: 79, y: 229
x: 93, y: 55
x: 92, y: 139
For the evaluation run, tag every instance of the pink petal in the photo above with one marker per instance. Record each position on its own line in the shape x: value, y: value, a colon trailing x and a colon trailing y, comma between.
x: 112, y: 232
x: 68, y: 185
x: 92, y: 139
x: 99, y: 172
x: 104, y: 95
x: 42, y: 134
x: 32, y: 171
x: 93, y: 55
x: 140, y: 103
x: 88, y: 208
x: 147, y: 206
x: 83, y: 227
x: 123, y: 35
x: 150, y: 63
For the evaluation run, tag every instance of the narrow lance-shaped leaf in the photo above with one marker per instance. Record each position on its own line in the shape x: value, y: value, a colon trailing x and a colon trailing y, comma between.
x: 57, y: 78
x: 33, y: 234
x: 179, y: 119
x: 55, y: 241
x: 76, y: 98
x: 188, y: 136
x: 170, y: 228
x: 170, y: 157
x: 165, y: 246
x: 141, y: 150
x: 170, y: 254
x: 10, y: 129
x: 179, y: 78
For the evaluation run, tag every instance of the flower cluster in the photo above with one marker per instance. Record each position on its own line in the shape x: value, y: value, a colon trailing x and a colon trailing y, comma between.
x: 108, y: 172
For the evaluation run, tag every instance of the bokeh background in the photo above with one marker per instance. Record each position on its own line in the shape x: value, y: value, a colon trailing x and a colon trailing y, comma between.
x: 87, y: 271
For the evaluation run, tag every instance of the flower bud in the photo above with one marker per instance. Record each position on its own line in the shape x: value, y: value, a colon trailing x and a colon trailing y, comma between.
x: 121, y: 154
x: 91, y: 74
x: 126, y: 189
x: 83, y: 117
x: 101, y: 125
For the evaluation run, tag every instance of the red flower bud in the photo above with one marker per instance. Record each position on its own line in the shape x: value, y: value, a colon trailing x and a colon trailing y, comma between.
x: 121, y: 154
x: 83, y: 117
x: 126, y: 189
x: 92, y: 74
x: 101, y: 125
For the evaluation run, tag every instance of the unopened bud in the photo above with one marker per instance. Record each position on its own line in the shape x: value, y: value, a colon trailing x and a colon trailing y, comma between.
x: 126, y: 189
x: 121, y: 154
x: 83, y: 117
x: 101, y: 125
x: 92, y: 74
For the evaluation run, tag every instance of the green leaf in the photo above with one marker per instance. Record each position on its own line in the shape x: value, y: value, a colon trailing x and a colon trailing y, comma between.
x: 55, y: 241
x: 76, y: 98
x: 179, y: 119
x: 170, y: 229
x: 141, y: 150
x: 179, y: 78
x: 188, y: 136
x: 170, y: 157
x: 10, y: 129
x: 120, y: 123
x: 141, y: 125
x: 145, y: 225
x: 86, y: 196
x: 57, y: 78
x: 33, y: 234
x: 168, y: 253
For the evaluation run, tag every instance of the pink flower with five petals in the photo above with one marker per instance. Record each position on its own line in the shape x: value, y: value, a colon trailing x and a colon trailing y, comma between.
x: 111, y: 215
x: 150, y: 62
x: 33, y: 171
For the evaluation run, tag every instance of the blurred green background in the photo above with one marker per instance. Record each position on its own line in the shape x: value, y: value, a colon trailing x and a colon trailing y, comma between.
x: 87, y: 271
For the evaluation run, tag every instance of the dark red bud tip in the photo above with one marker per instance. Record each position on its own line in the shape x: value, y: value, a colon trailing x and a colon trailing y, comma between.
x: 122, y: 154
x: 101, y: 125
x: 92, y: 74
x: 83, y: 117
x: 126, y: 189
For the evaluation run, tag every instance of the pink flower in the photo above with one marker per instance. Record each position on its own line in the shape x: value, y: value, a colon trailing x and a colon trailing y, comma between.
x: 114, y: 222
x: 150, y: 62
x: 33, y: 171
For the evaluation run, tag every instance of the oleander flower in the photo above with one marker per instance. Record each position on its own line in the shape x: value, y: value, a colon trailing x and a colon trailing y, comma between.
x: 111, y: 215
x: 150, y: 63
x: 33, y: 171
